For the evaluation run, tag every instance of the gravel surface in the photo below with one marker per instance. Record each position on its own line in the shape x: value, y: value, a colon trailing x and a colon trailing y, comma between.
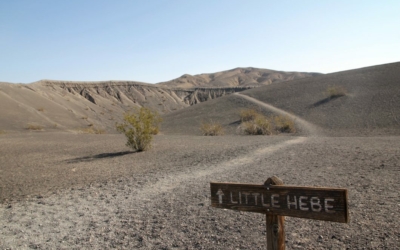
x: 160, y: 199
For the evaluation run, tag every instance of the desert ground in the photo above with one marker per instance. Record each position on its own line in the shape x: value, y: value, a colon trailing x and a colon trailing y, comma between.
x: 63, y: 189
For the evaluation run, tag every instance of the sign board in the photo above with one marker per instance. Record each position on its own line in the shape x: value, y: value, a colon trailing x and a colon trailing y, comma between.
x: 329, y: 204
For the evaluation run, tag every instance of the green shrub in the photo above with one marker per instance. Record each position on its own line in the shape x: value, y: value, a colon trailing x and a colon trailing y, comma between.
x: 212, y: 129
x: 139, y: 128
x: 335, y: 91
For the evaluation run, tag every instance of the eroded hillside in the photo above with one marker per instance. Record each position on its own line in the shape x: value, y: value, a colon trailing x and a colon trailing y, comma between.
x: 87, y: 106
x: 96, y: 106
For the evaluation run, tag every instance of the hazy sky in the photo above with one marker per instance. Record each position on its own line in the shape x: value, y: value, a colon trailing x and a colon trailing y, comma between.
x: 158, y: 40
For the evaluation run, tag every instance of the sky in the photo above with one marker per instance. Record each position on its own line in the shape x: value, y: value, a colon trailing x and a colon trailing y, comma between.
x: 158, y: 40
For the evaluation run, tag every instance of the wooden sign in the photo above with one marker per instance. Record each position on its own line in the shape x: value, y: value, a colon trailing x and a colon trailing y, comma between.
x: 329, y: 204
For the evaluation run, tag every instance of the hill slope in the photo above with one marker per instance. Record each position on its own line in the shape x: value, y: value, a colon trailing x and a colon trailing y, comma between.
x: 251, y: 77
x: 75, y: 106
x: 370, y: 107
x: 91, y: 106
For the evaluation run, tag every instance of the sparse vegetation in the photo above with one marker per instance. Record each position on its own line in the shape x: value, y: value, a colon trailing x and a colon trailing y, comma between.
x: 260, y: 125
x: 284, y: 124
x: 335, y: 91
x: 255, y: 123
x: 33, y: 126
x: 41, y: 109
x: 92, y: 130
x: 248, y: 115
x: 212, y: 129
x: 2, y: 132
x: 139, y: 128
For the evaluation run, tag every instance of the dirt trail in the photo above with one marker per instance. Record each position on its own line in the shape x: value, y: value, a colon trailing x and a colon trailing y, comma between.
x: 308, y: 128
x: 173, y: 180
x: 167, y: 206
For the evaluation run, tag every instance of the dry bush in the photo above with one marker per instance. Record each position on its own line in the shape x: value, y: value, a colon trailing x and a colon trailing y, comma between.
x: 262, y: 125
x: 2, y: 132
x: 284, y: 124
x: 212, y: 129
x: 139, y: 128
x: 92, y: 130
x: 335, y: 91
x: 259, y: 126
x: 41, y: 109
x: 33, y: 126
x: 248, y: 115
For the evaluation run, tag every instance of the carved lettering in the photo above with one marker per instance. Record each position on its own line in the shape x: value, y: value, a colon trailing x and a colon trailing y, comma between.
x: 303, y: 205
x: 315, y: 204
x: 255, y: 197
x: 262, y: 201
x: 246, y: 199
x: 275, y: 203
x: 292, y: 203
x: 327, y: 206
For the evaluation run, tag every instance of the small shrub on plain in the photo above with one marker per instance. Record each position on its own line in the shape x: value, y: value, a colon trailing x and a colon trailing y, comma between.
x: 92, y: 130
x: 284, y: 124
x: 248, y: 115
x: 258, y: 124
x: 139, y: 128
x: 33, y: 126
x: 335, y: 91
x: 212, y: 129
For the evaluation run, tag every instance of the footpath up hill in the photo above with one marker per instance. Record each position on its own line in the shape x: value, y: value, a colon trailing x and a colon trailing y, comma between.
x: 369, y: 106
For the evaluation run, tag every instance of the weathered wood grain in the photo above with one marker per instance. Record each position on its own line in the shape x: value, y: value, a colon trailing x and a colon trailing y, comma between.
x: 275, y: 224
x: 319, y: 203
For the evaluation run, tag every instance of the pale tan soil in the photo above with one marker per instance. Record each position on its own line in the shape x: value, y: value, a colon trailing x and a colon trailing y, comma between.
x: 160, y: 199
x: 253, y: 77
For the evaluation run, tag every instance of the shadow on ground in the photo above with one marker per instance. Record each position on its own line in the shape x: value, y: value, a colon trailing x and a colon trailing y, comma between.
x: 324, y: 101
x: 99, y: 156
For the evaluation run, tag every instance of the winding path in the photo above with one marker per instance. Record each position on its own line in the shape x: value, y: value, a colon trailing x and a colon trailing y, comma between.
x: 308, y: 128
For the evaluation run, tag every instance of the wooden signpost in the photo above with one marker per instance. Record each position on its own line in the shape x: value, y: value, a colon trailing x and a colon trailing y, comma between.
x: 276, y: 201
